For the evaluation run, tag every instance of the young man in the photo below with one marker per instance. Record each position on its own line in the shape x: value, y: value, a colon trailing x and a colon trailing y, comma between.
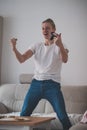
x: 48, y: 57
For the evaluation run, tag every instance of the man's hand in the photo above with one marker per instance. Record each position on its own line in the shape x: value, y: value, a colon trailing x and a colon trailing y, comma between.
x: 14, y: 42
x: 64, y: 52
x: 58, y: 40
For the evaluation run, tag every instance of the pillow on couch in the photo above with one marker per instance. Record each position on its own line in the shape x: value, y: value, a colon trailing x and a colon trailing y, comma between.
x: 84, y: 118
x: 3, y: 108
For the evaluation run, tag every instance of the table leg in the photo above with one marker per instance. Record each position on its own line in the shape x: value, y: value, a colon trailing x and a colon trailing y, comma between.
x: 7, y: 127
x: 43, y: 126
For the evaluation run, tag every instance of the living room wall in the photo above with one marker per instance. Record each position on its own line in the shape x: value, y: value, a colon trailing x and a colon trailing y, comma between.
x: 22, y: 19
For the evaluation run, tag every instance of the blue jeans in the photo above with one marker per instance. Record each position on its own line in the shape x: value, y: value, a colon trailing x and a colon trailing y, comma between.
x: 50, y: 90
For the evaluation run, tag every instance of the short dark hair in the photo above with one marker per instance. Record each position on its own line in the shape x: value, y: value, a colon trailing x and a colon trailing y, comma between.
x: 49, y: 20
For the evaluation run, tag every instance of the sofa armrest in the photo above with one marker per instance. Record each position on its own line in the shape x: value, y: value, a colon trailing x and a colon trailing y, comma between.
x: 3, y: 108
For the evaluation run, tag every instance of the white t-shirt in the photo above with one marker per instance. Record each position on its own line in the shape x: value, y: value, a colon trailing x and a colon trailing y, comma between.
x: 48, y: 61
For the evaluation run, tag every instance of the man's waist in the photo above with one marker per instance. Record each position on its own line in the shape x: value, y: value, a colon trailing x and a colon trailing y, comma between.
x: 54, y: 77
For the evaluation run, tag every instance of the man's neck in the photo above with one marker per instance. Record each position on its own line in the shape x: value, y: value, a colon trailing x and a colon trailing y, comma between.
x: 49, y: 42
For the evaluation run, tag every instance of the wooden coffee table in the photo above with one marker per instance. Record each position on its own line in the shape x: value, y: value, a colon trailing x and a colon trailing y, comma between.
x: 25, y: 123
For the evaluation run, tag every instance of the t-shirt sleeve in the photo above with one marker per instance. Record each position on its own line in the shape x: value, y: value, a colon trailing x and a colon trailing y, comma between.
x: 32, y: 48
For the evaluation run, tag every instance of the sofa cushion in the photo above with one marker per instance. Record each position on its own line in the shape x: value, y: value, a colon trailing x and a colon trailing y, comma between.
x: 48, y: 107
x: 79, y: 126
x: 75, y: 98
x: 12, y: 95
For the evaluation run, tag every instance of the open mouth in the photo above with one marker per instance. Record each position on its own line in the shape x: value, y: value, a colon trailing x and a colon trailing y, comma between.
x: 46, y: 35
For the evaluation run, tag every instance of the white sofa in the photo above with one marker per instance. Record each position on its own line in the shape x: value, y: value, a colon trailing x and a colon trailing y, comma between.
x: 12, y: 98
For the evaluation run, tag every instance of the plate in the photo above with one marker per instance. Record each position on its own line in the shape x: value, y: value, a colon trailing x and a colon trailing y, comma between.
x: 22, y: 118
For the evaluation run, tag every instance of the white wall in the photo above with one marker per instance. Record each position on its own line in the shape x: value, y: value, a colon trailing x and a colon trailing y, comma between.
x: 22, y: 19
